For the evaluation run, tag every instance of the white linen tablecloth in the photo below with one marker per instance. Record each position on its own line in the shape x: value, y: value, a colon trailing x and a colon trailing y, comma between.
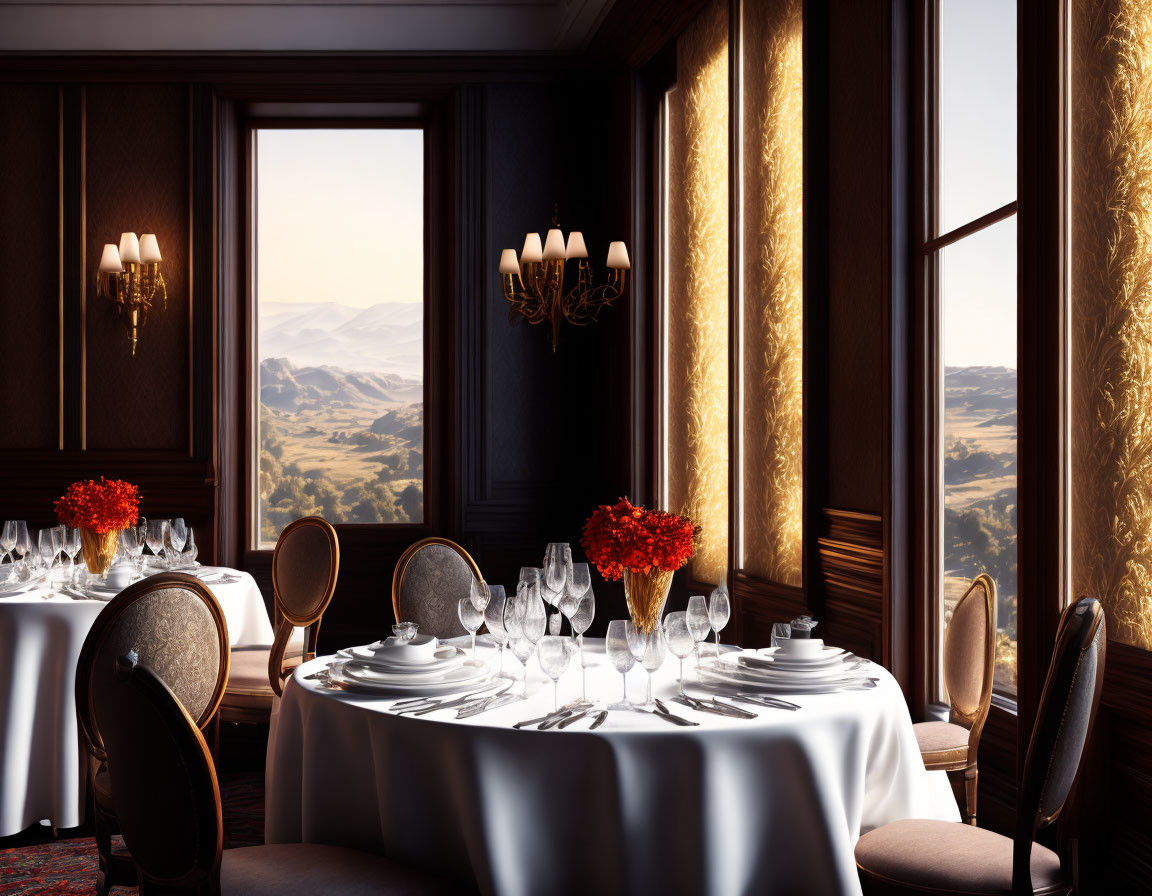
x: 43, y: 764
x: 771, y: 805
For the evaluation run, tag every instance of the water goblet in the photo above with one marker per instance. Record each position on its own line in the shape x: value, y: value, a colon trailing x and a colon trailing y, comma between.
x: 655, y: 650
x: 523, y: 649
x: 581, y: 619
x: 178, y: 532
x: 471, y: 619
x: 698, y: 622
x: 157, y: 535
x: 554, y: 654
x: 620, y: 656
x: 719, y: 611
x: 679, y: 638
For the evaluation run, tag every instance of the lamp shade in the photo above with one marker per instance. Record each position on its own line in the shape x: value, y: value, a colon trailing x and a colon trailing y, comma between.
x: 508, y: 262
x: 149, y: 249
x: 532, y: 250
x: 554, y: 245
x: 110, y: 260
x: 129, y: 248
x: 576, y: 247
x: 618, y: 256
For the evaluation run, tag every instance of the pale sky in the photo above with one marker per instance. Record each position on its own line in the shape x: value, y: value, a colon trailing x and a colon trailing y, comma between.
x: 341, y: 215
x: 978, y: 175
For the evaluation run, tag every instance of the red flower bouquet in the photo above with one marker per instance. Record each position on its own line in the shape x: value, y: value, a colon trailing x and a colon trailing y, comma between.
x: 108, y: 505
x: 624, y: 536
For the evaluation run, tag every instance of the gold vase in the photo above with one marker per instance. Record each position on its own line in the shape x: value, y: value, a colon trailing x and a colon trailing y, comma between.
x: 646, y: 594
x: 99, y: 549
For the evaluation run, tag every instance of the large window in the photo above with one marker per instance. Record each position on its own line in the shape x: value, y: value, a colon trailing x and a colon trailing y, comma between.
x: 970, y: 260
x: 338, y: 237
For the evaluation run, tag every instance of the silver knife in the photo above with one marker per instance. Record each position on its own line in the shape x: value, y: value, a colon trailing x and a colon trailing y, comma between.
x: 450, y: 704
x: 487, y: 704
x: 600, y: 717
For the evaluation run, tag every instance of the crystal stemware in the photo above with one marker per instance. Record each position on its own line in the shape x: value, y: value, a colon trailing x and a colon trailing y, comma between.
x: 471, y: 618
x: 24, y: 548
x: 178, y: 533
x: 655, y: 650
x: 698, y: 623
x: 581, y: 620
x: 679, y: 638
x: 719, y: 611
x: 131, y: 546
x: 523, y: 649
x: 188, y: 558
x: 58, y: 547
x: 579, y: 581
x: 619, y: 655
x: 45, y: 553
x: 494, y: 620
x: 554, y: 654
x: 8, y: 543
x: 535, y: 616
x: 72, y: 545
x: 157, y: 533
x: 479, y: 594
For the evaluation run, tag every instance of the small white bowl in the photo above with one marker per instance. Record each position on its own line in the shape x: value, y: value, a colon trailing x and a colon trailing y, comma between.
x: 421, y: 649
x: 801, y: 648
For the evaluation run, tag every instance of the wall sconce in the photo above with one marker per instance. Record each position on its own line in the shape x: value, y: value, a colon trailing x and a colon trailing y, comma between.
x: 131, y: 278
x: 534, y: 283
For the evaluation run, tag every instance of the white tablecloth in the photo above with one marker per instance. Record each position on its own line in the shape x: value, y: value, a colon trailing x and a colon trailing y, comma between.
x: 771, y: 805
x: 43, y: 765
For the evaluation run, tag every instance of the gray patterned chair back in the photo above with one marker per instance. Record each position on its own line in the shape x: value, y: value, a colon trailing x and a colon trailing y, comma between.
x: 1063, y: 723
x: 174, y: 625
x: 431, y: 577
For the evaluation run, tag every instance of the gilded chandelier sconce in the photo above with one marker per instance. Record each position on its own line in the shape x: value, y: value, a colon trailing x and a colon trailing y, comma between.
x: 534, y: 282
x: 131, y: 278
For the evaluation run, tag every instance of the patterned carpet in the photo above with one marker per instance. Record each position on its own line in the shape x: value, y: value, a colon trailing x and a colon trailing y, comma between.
x: 67, y: 866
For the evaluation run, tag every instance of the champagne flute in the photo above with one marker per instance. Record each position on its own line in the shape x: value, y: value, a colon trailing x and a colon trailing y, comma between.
x: 24, y: 547
x: 719, y: 611
x: 45, y: 553
x: 72, y: 546
x: 179, y: 535
x: 555, y: 653
x: 698, y: 622
x: 8, y: 545
x: 494, y: 620
x: 581, y: 620
x: 131, y: 546
x: 679, y: 638
x: 620, y: 656
x: 58, y: 546
x: 471, y: 618
x: 191, y: 552
x: 655, y: 650
x: 557, y: 563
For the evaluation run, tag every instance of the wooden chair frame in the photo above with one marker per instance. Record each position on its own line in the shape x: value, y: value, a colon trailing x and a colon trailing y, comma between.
x: 410, y: 552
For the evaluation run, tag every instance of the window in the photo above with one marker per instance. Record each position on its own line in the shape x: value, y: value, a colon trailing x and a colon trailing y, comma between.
x: 970, y: 261
x: 338, y: 284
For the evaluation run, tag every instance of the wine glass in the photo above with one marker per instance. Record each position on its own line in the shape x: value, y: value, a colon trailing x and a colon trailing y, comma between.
x: 478, y: 593
x: 679, y: 638
x: 132, y: 546
x: 494, y: 620
x: 619, y: 655
x: 72, y: 544
x: 554, y: 654
x: 157, y: 532
x: 178, y: 534
x: 24, y: 547
x: 579, y: 580
x: 471, y: 618
x: 8, y: 545
x: 44, y: 550
x: 523, y: 649
x: 655, y: 650
x: 581, y: 619
x: 535, y: 616
x: 58, y: 546
x: 698, y: 623
x: 557, y: 562
x: 188, y: 558
x: 719, y: 611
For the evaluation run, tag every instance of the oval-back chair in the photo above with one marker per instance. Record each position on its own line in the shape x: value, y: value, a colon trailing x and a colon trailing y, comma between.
x: 928, y: 856
x: 430, y: 579
x: 969, y: 665
x: 305, y: 567
x: 173, y: 622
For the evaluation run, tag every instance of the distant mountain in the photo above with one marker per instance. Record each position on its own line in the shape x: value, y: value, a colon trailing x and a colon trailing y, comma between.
x: 384, y: 338
x: 286, y: 387
x: 981, y: 389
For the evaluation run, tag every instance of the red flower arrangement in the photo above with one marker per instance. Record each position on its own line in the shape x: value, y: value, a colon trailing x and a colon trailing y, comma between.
x: 105, y: 506
x: 625, y: 536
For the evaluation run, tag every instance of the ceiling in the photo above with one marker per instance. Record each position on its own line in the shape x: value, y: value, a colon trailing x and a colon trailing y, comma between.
x: 299, y: 26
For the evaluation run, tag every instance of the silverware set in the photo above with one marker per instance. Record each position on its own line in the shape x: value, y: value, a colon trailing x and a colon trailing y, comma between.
x: 422, y: 706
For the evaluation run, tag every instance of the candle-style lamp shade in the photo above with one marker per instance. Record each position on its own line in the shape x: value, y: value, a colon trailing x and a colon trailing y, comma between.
x: 554, y: 245
x: 110, y: 260
x: 149, y: 249
x: 618, y: 257
x: 532, y: 252
x: 576, y: 247
x: 129, y: 248
x: 508, y: 262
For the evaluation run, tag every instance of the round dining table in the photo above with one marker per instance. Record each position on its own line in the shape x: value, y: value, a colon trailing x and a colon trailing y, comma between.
x: 773, y: 804
x: 43, y: 764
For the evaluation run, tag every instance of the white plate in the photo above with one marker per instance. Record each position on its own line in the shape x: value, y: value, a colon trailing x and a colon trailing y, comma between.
x: 760, y: 661
x: 827, y: 655
x: 782, y: 687
x: 447, y: 683
x: 461, y: 673
x: 801, y: 676
x: 446, y: 657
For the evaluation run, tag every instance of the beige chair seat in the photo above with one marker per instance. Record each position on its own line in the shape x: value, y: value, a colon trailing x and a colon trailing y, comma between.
x: 946, y: 857
x: 248, y: 684
x: 942, y: 744
x: 312, y: 868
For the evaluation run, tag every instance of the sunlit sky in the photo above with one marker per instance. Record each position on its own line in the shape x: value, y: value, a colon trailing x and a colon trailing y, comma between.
x: 978, y: 175
x: 341, y: 216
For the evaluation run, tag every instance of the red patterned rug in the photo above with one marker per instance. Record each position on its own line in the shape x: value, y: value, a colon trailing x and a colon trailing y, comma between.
x: 67, y: 866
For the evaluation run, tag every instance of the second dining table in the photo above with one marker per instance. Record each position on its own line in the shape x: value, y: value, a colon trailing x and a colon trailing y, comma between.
x: 637, y: 806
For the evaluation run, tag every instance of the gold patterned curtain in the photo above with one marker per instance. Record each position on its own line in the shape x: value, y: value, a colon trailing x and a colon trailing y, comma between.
x: 696, y: 309
x: 773, y: 258
x: 1111, y: 313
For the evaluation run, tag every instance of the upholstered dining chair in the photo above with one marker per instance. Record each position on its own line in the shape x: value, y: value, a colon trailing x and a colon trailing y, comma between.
x: 305, y: 566
x: 168, y: 800
x: 928, y: 856
x: 430, y: 579
x: 969, y: 662
x: 173, y: 622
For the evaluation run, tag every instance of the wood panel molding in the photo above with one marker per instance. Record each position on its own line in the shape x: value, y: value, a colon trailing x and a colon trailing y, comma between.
x: 851, y: 551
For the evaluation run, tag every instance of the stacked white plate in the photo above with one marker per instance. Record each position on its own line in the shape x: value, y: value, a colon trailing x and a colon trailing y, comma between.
x: 422, y: 666
x: 806, y: 667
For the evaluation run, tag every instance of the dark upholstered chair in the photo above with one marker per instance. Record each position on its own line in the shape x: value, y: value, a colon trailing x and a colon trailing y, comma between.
x: 168, y: 801
x: 305, y: 566
x: 969, y: 662
x: 922, y: 856
x: 173, y: 622
x: 430, y: 579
